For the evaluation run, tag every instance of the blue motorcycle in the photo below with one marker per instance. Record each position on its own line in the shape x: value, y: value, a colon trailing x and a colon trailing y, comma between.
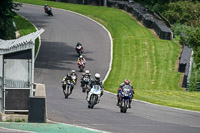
x: 126, y: 94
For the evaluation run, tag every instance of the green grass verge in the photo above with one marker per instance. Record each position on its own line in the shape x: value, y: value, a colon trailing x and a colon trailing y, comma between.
x: 25, y: 27
x: 149, y: 62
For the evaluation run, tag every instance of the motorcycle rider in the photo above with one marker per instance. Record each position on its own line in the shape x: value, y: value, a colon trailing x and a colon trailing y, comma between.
x: 77, y: 45
x: 73, y: 73
x: 81, y: 59
x: 64, y: 83
x: 97, y: 82
x: 87, y: 73
x: 46, y: 8
x: 126, y: 82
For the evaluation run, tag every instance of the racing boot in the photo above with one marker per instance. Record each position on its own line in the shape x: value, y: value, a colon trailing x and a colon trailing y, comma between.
x: 117, y: 102
x: 129, y: 103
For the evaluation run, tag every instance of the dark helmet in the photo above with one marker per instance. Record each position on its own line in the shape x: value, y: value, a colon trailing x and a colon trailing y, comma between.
x: 97, y: 76
x: 126, y: 82
x: 78, y: 43
x: 68, y: 75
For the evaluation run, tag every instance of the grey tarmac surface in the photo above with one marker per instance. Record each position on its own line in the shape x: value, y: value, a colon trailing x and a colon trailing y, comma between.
x: 58, y: 56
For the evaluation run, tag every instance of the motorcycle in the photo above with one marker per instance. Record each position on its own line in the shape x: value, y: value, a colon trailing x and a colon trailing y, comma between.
x: 79, y: 50
x: 86, y: 81
x: 81, y: 65
x: 49, y: 11
x: 124, y: 98
x: 94, y: 96
x: 69, y: 87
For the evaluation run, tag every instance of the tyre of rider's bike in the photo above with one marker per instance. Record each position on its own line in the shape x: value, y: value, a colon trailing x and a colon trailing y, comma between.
x: 125, y: 106
x: 92, y: 101
x: 83, y: 89
x: 81, y: 68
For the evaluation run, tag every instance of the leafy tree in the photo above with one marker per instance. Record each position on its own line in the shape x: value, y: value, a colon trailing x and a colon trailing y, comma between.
x: 192, y: 39
x: 6, y: 19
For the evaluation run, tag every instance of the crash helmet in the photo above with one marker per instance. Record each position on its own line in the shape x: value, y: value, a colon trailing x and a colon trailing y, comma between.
x: 73, y: 71
x: 87, y: 71
x: 68, y: 75
x: 45, y: 5
x: 97, y: 76
x: 78, y: 43
x: 81, y: 57
x: 126, y: 82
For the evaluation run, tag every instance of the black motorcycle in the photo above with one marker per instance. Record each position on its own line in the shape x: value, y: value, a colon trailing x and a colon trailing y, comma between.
x: 49, y: 12
x: 69, y: 87
x: 86, y: 81
x: 79, y: 50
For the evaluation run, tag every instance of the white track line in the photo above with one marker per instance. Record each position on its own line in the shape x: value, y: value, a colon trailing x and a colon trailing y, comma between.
x: 21, y: 131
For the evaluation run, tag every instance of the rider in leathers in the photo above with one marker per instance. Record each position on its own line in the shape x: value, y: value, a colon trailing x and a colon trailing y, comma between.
x: 46, y: 8
x: 97, y: 82
x: 64, y: 85
x: 81, y: 59
x: 87, y: 73
x: 126, y: 82
x: 79, y: 44
x: 73, y: 72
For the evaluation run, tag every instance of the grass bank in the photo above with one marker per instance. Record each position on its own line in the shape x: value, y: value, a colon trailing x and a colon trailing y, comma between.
x: 139, y: 55
x: 25, y: 27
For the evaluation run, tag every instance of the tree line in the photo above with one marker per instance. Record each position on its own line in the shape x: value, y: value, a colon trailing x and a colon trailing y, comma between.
x: 7, y: 26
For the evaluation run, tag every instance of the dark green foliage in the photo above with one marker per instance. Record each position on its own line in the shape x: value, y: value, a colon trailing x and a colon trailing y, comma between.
x: 180, y: 29
x: 6, y: 20
x: 183, y: 12
x: 195, y: 78
x: 176, y: 11
x: 192, y: 39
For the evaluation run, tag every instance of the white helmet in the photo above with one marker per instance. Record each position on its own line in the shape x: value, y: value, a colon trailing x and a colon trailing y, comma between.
x: 87, y: 71
x: 97, y: 76
x: 81, y: 56
x: 73, y: 71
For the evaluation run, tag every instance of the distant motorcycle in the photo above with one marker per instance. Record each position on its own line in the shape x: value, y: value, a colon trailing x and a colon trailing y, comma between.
x: 124, y: 98
x: 86, y: 81
x: 94, y: 96
x: 79, y: 50
x: 81, y: 65
x: 48, y: 10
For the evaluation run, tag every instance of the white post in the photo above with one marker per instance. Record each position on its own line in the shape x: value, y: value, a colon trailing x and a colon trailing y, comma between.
x: 32, y: 68
x: 105, y: 2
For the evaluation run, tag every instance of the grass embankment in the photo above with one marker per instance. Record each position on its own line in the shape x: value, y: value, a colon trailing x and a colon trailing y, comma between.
x: 25, y: 27
x: 149, y: 62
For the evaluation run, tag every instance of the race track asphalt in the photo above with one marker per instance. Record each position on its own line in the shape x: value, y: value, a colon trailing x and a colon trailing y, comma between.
x: 57, y: 57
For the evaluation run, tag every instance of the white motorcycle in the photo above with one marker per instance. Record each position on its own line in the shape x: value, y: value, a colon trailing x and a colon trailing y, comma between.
x: 94, y: 96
